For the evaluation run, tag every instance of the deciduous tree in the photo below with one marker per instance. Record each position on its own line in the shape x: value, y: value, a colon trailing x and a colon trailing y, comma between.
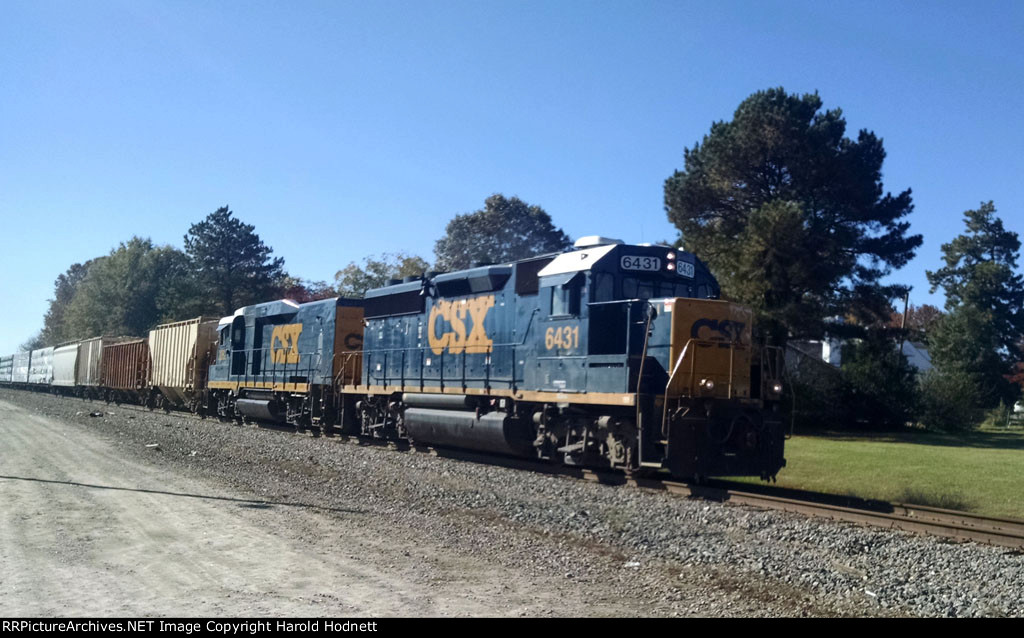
x: 503, y: 230
x: 920, y: 320
x: 64, y: 288
x: 304, y: 290
x: 33, y: 343
x: 354, y: 280
x: 125, y: 292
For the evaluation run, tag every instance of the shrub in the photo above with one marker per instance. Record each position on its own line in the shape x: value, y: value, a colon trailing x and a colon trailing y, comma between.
x: 949, y: 401
x: 814, y: 391
x: 880, y: 388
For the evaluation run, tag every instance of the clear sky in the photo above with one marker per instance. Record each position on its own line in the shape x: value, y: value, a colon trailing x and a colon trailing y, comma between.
x: 343, y: 129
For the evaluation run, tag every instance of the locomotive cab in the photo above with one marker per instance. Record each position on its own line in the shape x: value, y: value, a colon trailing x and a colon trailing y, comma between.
x: 704, y: 395
x: 596, y: 309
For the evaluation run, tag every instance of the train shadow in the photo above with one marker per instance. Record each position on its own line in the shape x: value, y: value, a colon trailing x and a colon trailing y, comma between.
x: 242, y: 502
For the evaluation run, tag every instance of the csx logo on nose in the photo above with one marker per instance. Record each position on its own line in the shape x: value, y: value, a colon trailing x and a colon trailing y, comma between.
x: 717, y: 330
x: 284, y: 343
x: 454, y: 313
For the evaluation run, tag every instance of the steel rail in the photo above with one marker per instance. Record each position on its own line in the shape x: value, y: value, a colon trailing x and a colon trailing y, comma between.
x: 919, y: 519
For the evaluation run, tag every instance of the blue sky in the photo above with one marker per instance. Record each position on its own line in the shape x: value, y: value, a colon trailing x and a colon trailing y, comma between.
x: 345, y: 129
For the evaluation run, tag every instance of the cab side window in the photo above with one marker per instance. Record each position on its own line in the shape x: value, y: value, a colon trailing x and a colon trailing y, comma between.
x: 629, y: 288
x: 565, y: 299
x: 604, y: 286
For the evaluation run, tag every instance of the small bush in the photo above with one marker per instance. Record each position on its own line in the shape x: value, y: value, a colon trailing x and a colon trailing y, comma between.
x: 998, y: 416
x: 880, y: 388
x: 949, y: 401
x: 814, y: 395
x: 875, y: 389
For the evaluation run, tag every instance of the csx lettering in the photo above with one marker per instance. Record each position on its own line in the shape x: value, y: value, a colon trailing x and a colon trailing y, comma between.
x: 455, y: 339
x: 284, y: 343
x: 721, y: 330
x: 353, y: 341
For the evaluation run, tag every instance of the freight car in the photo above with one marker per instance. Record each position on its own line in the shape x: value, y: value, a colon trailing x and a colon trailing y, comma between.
x: 40, y: 368
x: 19, y: 367
x: 181, y: 354
x: 607, y: 355
x: 89, y: 366
x: 65, y: 366
x: 6, y: 369
x: 124, y: 371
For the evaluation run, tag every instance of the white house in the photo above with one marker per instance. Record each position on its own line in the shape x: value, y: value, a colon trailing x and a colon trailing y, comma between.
x: 830, y: 352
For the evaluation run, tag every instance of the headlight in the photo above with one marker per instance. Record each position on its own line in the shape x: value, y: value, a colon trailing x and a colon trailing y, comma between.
x: 777, y: 387
x: 707, y: 384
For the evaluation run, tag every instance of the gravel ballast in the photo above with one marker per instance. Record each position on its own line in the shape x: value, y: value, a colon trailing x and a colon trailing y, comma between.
x: 678, y: 557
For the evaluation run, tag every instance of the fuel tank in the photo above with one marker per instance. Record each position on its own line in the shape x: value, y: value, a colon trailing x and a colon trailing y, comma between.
x: 255, y: 409
x: 492, y: 432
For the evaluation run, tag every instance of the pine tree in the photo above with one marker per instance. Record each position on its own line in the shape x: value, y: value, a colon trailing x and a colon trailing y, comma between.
x: 232, y: 266
x: 790, y: 214
x: 980, y: 272
x: 979, y: 337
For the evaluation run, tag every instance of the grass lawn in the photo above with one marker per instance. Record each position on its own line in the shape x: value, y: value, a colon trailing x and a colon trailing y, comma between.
x: 980, y: 471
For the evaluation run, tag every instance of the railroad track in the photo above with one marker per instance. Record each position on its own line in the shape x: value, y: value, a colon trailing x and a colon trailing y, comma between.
x: 920, y: 519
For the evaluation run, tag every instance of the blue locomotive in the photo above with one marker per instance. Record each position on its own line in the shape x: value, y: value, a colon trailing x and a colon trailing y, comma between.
x: 607, y: 355
x: 279, y: 361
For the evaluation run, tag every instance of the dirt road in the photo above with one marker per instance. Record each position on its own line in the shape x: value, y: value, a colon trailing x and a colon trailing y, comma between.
x: 85, y: 531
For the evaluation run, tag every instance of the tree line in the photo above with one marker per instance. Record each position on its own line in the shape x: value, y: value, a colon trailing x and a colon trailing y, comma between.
x: 224, y: 265
x: 788, y: 211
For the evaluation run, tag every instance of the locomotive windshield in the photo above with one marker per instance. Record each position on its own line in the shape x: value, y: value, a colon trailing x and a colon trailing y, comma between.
x: 612, y: 286
x: 619, y: 272
x: 609, y: 287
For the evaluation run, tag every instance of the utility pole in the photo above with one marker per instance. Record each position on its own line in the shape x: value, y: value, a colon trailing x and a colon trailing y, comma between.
x: 903, y: 323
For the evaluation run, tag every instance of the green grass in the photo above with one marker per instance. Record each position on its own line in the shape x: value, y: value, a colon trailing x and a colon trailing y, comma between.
x: 980, y: 471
